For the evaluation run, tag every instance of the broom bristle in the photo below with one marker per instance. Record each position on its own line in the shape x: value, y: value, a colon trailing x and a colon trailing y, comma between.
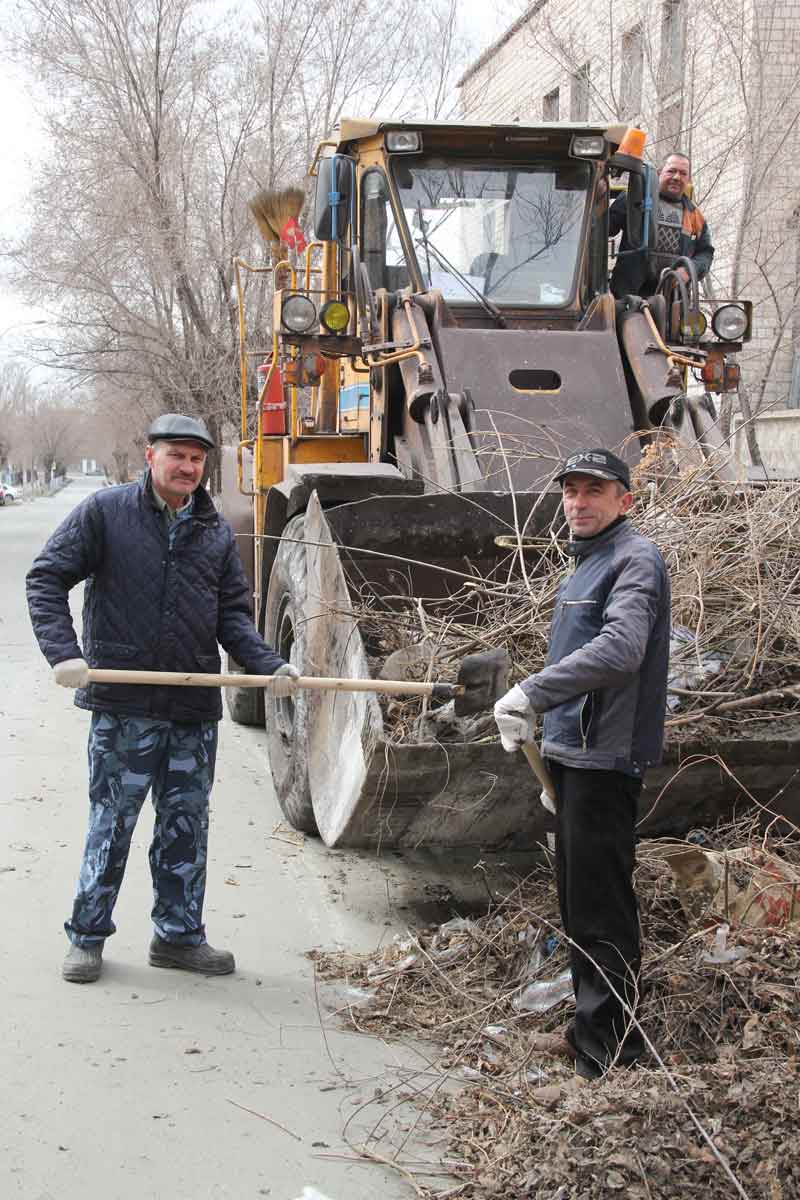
x: 273, y: 209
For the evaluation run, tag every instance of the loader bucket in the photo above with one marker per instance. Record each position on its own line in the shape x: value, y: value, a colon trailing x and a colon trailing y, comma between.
x: 369, y: 790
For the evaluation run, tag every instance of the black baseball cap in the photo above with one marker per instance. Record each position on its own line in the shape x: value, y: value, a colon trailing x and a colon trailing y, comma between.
x: 174, y: 427
x: 601, y: 463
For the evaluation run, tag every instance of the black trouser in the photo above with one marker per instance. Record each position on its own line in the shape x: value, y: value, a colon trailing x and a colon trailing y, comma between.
x: 595, y: 850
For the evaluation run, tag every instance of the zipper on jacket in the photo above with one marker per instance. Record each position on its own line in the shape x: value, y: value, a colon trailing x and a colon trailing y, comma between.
x: 565, y: 604
x: 585, y: 732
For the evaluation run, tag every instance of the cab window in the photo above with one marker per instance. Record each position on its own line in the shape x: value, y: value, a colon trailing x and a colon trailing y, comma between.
x: 381, y: 249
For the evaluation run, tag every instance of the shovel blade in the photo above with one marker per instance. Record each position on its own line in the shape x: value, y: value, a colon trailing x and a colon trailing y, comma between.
x: 484, y: 678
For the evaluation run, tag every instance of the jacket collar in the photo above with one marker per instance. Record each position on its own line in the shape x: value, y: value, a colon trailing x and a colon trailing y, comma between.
x: 583, y: 547
x: 203, y: 504
x: 686, y: 203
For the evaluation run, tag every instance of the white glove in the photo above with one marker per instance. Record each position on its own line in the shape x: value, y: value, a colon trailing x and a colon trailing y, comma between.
x: 548, y: 801
x: 515, y: 719
x: 284, y: 684
x: 72, y: 673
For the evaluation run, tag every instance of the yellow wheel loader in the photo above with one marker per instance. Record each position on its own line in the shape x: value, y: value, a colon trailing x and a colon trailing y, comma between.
x: 436, y: 349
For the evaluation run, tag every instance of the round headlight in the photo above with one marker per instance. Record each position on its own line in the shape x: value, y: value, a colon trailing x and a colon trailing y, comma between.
x: 730, y: 322
x: 298, y: 314
x: 335, y: 315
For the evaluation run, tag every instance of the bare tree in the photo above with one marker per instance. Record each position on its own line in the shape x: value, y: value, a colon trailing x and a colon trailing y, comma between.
x: 765, y: 71
x: 164, y: 125
x: 113, y: 433
x: 56, y: 432
x: 15, y: 388
x: 18, y: 402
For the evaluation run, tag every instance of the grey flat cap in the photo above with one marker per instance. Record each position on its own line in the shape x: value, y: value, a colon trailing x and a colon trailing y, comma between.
x: 174, y: 427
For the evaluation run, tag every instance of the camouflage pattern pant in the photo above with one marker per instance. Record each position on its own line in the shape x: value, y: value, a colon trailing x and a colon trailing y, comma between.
x: 128, y: 757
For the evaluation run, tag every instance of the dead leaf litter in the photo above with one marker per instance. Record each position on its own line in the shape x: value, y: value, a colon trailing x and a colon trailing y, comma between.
x: 715, y: 1117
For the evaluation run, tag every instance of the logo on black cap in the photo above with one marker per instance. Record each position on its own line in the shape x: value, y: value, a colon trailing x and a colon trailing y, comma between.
x: 601, y: 463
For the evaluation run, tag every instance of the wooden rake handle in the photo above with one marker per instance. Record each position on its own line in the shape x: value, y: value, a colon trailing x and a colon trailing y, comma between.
x: 538, y: 767
x: 318, y: 683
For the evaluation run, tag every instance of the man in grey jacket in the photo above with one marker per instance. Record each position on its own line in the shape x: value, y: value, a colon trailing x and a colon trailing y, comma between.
x: 603, y: 692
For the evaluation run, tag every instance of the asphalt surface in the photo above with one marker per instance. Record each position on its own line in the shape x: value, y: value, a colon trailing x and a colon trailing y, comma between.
x: 130, y: 1087
x: 154, y: 1083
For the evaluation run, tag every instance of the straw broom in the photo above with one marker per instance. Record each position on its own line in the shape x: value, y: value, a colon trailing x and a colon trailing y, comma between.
x: 272, y: 210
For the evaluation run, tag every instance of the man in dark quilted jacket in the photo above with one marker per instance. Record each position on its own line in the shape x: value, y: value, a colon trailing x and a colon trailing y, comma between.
x: 603, y: 691
x: 164, y: 586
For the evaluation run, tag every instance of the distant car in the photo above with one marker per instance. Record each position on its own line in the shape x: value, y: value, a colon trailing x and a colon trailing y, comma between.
x: 9, y: 493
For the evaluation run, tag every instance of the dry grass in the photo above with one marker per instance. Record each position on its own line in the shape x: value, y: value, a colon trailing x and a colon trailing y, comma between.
x: 711, y: 1112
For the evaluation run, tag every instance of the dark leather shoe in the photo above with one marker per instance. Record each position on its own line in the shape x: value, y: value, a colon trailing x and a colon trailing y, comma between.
x: 585, y: 1068
x: 202, y: 959
x: 83, y: 964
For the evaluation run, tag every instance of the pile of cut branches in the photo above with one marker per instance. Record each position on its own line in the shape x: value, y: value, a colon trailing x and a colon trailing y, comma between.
x: 711, y: 1111
x: 733, y: 555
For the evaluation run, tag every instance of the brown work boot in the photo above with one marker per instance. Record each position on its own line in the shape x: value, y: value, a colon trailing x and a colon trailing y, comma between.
x: 202, y: 959
x: 555, y: 1045
x: 83, y: 964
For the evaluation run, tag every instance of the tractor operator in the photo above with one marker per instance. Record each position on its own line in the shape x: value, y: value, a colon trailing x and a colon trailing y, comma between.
x: 164, y: 585
x: 681, y: 231
x: 603, y: 691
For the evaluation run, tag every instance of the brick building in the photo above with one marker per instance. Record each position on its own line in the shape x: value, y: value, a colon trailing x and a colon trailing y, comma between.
x: 719, y: 81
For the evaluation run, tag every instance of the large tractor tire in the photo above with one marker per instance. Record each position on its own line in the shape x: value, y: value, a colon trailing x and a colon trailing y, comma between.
x: 245, y: 705
x: 286, y: 719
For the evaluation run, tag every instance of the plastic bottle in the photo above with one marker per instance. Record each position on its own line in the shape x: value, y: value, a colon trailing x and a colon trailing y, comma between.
x: 544, y: 994
x: 721, y: 952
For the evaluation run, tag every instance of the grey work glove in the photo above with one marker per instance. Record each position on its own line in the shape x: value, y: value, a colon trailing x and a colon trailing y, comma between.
x: 515, y: 719
x: 284, y: 684
x: 71, y: 673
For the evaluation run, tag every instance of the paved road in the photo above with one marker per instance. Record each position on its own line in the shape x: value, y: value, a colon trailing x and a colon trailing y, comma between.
x: 123, y: 1088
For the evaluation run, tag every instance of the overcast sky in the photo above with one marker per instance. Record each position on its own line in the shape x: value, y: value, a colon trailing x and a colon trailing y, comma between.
x: 20, y: 143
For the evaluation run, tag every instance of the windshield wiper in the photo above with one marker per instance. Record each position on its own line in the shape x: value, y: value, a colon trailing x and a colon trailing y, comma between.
x: 427, y: 245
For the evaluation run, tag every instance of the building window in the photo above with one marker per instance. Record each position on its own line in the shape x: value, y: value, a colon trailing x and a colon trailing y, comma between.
x: 673, y: 34
x: 579, y: 95
x: 550, y: 106
x: 631, y: 72
x: 669, y: 130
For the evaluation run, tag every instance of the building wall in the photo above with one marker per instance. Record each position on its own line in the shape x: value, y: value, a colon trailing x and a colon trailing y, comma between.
x: 728, y: 95
x: 778, y: 441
